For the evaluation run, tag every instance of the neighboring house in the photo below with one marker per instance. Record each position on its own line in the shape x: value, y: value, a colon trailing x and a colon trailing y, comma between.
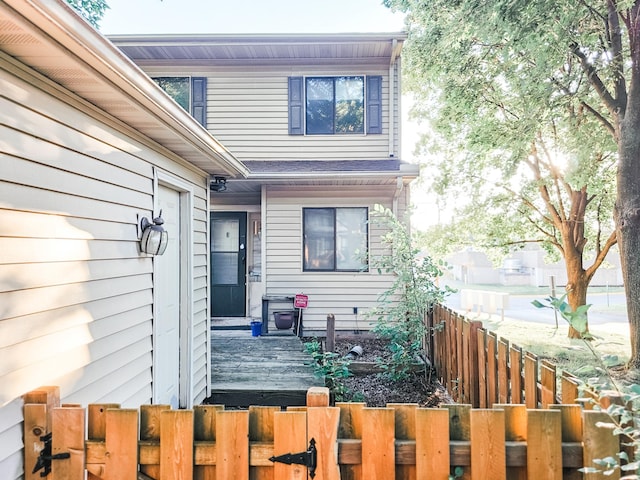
x: 316, y: 120
x: 89, y: 145
x: 527, y: 266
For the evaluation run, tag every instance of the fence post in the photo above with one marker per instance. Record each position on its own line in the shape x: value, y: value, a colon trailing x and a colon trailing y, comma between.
x: 598, y: 442
x: 331, y: 332
x: 474, y: 392
x: 122, y: 444
x: 289, y: 435
x: 544, y: 444
x: 318, y: 397
x: 548, y: 383
x: 232, y: 445
x: 378, y: 446
x: 430, y: 335
x: 492, y: 369
x: 515, y: 373
x: 204, y: 430
x: 38, y: 408
x: 67, y: 428
x: 432, y: 443
x: 322, y: 425
x: 488, y: 450
x: 405, y: 421
x: 150, y: 433
x: 515, y: 418
x: 350, y: 428
x: 531, y: 380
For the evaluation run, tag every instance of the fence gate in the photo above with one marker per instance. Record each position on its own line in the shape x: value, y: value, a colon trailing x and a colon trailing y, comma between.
x: 349, y: 441
x: 156, y: 442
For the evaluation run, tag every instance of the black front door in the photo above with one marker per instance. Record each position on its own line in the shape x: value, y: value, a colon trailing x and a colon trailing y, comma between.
x: 228, y: 263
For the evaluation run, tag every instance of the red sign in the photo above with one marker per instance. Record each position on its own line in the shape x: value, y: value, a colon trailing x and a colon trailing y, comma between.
x: 301, y: 301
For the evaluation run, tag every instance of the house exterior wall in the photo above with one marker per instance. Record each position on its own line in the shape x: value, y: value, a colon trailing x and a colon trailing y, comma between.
x: 329, y: 292
x: 247, y: 111
x: 76, y: 297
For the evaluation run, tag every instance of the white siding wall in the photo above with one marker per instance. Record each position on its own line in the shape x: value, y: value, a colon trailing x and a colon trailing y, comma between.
x: 75, y: 295
x: 329, y: 292
x: 247, y: 111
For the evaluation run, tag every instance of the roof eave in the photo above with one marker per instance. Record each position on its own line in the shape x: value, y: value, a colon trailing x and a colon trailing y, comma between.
x: 58, y: 22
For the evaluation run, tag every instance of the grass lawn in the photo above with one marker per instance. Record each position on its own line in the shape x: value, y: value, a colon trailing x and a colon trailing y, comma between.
x: 568, y: 354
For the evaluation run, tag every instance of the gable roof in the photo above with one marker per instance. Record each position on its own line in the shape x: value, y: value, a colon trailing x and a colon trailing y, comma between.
x: 52, y: 39
x: 262, y: 49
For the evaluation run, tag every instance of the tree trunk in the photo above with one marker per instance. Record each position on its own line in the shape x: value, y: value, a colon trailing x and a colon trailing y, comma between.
x: 627, y: 217
x: 577, y: 285
x: 627, y: 207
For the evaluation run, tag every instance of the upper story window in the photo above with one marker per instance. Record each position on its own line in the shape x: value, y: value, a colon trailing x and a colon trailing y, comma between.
x: 335, y: 105
x: 335, y: 239
x: 189, y: 92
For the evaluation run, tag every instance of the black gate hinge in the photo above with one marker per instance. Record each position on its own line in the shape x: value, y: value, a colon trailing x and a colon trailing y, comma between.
x: 309, y: 458
x: 45, y: 457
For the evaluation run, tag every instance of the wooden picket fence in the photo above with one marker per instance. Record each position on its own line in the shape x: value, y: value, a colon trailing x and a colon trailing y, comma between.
x: 353, y: 442
x: 479, y: 368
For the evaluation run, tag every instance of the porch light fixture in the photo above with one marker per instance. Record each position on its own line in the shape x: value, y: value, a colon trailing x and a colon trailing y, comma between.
x: 154, y: 237
x: 219, y: 184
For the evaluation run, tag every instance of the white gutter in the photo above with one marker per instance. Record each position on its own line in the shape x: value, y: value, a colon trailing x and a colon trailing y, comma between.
x: 393, y: 86
x: 396, y: 195
x: 392, y: 82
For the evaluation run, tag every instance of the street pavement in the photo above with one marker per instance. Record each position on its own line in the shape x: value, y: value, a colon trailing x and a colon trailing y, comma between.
x: 606, y: 308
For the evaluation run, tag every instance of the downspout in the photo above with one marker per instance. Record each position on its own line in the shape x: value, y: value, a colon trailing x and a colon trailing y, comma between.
x: 392, y: 83
x: 396, y: 196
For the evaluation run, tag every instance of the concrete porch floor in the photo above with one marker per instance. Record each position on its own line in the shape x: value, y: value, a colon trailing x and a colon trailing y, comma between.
x: 244, y: 323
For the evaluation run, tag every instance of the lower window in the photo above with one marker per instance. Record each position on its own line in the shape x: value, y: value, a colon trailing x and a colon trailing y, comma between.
x: 335, y: 239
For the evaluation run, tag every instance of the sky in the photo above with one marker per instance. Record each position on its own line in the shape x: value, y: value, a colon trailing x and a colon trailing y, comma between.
x: 249, y: 16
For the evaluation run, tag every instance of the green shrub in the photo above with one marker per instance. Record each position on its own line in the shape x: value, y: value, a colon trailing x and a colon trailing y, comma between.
x: 402, y: 309
x: 329, y: 366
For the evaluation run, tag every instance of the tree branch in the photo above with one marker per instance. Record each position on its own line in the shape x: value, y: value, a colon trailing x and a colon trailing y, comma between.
x: 606, y: 123
x: 602, y: 254
x: 597, y: 83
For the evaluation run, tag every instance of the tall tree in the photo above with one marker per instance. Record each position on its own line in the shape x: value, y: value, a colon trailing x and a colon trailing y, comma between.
x: 577, y: 66
x: 91, y: 10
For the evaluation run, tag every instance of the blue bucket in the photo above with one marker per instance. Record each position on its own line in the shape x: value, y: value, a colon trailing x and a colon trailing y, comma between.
x: 256, y: 329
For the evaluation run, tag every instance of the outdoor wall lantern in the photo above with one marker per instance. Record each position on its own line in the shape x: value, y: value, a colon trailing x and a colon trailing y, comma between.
x: 154, y: 237
x: 219, y: 184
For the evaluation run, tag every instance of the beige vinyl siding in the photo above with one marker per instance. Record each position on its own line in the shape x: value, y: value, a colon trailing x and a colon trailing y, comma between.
x: 76, y: 297
x: 247, y: 111
x: 329, y: 292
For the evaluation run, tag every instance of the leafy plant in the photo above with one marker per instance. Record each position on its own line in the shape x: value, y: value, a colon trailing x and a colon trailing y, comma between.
x: 624, y: 415
x: 458, y: 472
x: 331, y: 367
x: 403, y: 307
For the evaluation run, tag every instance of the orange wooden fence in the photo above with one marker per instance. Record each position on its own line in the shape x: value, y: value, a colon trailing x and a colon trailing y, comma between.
x: 479, y: 368
x: 353, y: 442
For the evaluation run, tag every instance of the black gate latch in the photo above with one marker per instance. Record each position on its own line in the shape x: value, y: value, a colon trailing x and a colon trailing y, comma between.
x: 45, y: 457
x: 309, y: 458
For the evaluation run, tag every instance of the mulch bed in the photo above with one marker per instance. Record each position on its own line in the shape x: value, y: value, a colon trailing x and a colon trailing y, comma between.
x: 376, y: 390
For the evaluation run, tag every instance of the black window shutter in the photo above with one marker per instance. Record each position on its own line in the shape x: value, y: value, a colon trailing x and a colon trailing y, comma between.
x: 199, y: 99
x: 296, y: 112
x: 374, y: 104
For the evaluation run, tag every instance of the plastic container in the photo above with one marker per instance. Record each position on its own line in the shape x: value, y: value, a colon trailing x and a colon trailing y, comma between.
x: 256, y: 329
